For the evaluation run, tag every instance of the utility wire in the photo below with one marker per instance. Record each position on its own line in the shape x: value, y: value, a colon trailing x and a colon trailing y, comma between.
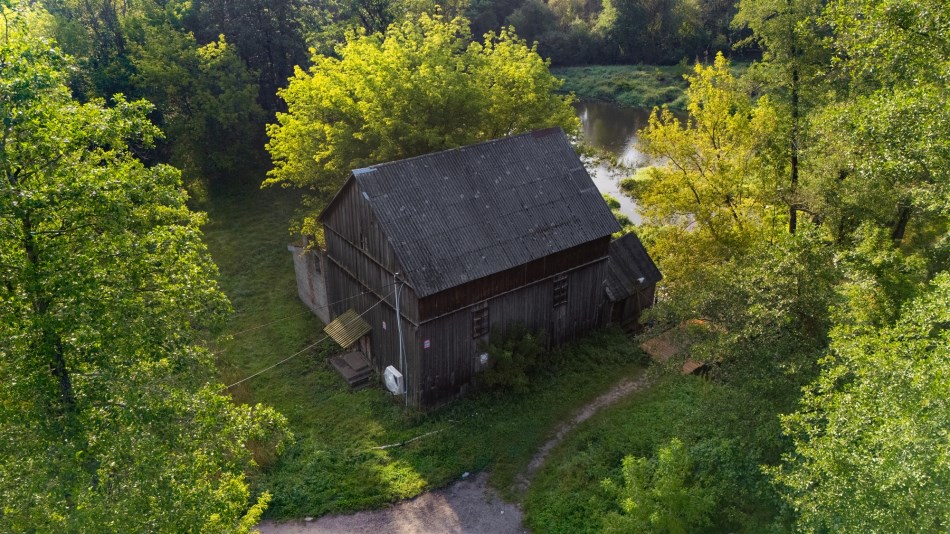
x: 309, y: 310
x: 305, y: 349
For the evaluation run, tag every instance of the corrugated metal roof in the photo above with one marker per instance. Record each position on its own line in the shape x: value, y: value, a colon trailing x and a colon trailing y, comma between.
x: 629, y: 268
x: 469, y: 212
x: 347, y: 328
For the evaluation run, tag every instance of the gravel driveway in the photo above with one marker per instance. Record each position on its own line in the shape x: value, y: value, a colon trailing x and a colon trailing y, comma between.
x: 467, y: 506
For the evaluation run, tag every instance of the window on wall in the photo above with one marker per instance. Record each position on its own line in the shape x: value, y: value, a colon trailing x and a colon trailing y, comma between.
x: 480, y: 319
x: 560, y: 291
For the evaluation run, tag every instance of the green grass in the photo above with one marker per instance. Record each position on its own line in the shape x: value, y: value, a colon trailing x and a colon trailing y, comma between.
x: 637, y: 86
x: 333, y: 466
x: 730, y: 432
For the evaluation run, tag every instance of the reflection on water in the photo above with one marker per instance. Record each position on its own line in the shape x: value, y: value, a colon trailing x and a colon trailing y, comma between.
x: 614, y: 129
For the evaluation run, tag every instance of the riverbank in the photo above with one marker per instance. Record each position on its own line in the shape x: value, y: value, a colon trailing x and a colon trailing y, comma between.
x: 633, y: 86
x: 637, y: 86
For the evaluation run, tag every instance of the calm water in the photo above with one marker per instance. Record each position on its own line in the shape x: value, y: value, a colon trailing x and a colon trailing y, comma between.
x: 613, y: 128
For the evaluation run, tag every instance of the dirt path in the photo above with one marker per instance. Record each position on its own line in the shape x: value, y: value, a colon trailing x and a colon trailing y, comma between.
x: 467, y: 506
x: 624, y: 388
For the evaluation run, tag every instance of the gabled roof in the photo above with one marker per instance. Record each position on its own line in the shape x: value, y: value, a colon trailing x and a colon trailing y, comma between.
x: 630, y: 268
x: 466, y: 213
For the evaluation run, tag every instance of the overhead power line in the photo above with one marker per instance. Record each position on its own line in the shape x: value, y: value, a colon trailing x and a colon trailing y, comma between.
x: 301, y: 351
x: 309, y: 310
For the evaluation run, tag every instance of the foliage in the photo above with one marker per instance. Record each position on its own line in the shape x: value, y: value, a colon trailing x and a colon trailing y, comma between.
x: 109, y: 417
x: 512, y: 356
x: 206, y: 102
x: 883, y: 150
x: 627, y: 85
x: 729, y: 428
x: 419, y: 88
x: 719, y: 176
x: 873, y: 427
x: 205, y: 97
x: 626, y: 225
x: 659, y: 494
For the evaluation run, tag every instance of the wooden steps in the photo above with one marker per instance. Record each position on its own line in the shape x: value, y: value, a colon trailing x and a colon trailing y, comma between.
x: 353, y: 367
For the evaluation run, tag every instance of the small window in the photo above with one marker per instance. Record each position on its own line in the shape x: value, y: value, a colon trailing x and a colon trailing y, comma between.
x: 480, y: 319
x: 362, y: 241
x: 560, y: 291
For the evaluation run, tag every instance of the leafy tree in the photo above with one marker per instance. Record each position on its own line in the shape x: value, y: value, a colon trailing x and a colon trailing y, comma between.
x: 659, y: 495
x: 719, y: 177
x: 419, y: 88
x: 110, y: 417
x: 886, y: 154
x: 871, y: 433
x: 205, y: 101
x: 269, y: 37
x: 793, y: 51
x: 204, y: 95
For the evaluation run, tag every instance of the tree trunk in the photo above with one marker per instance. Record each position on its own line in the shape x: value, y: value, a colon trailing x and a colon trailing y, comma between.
x: 50, y: 341
x: 793, y: 190
x: 900, y: 225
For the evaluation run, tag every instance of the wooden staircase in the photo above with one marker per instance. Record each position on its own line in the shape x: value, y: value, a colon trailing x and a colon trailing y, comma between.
x: 353, y: 367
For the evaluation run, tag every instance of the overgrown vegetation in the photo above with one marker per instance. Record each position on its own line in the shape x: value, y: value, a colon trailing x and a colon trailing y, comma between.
x: 727, y: 430
x: 627, y: 85
x: 333, y: 466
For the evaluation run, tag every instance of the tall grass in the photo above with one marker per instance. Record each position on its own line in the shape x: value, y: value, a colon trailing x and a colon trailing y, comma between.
x: 628, y: 85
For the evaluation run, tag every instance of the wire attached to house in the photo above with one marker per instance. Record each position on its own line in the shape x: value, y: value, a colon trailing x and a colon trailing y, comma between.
x: 305, y: 349
x: 310, y: 310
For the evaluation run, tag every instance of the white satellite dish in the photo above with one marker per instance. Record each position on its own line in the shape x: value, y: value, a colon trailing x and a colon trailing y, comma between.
x: 394, y: 380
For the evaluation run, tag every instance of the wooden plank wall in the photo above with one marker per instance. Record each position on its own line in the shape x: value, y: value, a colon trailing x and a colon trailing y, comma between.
x: 356, y: 244
x: 453, y: 356
x: 384, y: 339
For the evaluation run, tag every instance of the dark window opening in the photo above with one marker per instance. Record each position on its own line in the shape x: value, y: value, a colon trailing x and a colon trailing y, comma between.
x: 560, y: 291
x: 480, y: 320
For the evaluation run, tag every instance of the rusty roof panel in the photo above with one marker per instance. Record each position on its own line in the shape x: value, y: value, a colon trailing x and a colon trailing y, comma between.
x: 347, y: 328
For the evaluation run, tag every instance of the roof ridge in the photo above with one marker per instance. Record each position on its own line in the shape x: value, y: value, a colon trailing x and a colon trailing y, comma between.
x: 544, y: 132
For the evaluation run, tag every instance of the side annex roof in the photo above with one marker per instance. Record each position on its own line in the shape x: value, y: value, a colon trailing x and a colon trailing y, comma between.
x: 630, y: 268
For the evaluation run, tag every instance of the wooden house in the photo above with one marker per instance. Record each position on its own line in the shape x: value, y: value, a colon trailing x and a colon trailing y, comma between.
x: 471, y: 241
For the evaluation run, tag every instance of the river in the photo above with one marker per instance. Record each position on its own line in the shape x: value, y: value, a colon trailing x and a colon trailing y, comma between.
x: 614, y: 129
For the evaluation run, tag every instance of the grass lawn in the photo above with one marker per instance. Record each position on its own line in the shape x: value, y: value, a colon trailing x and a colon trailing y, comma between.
x: 730, y: 432
x: 333, y: 466
x: 638, y: 86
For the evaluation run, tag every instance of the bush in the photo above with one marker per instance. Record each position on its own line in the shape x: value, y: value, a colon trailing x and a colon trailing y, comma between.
x: 512, y: 355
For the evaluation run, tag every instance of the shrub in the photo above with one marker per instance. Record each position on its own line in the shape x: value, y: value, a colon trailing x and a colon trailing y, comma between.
x: 512, y: 355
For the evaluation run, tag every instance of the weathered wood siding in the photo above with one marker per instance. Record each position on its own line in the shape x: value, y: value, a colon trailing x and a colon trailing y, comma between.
x: 381, y: 317
x: 453, y: 356
x: 485, y: 288
x: 356, y: 245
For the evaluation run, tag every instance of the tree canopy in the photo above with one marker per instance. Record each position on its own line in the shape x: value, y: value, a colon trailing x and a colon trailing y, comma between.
x: 110, y: 417
x: 871, y: 434
x: 420, y: 87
